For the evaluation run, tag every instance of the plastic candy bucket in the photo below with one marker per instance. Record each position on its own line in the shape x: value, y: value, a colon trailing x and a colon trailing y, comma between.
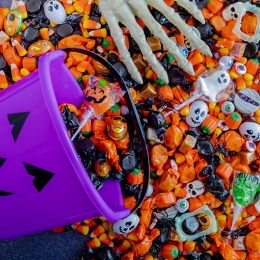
x: 43, y: 183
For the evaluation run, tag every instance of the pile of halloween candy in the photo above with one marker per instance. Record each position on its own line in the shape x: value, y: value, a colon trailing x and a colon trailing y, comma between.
x: 202, y: 130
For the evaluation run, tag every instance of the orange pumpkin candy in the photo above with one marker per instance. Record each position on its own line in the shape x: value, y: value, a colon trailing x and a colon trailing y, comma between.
x: 209, y: 125
x: 117, y: 128
x: 135, y: 177
x: 233, y: 120
x: 169, y: 251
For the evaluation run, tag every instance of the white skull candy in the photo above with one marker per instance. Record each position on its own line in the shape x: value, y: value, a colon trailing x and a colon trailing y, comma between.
x: 126, y: 225
x: 250, y: 131
x: 194, y: 189
x: 55, y: 11
x: 198, y: 113
x: 232, y: 11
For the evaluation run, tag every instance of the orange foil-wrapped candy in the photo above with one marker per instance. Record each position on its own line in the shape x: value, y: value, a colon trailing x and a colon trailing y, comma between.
x: 252, y: 241
x: 168, y: 180
x: 159, y: 155
x: 165, y: 200
x: 228, y: 252
x: 231, y: 140
x: 173, y: 137
x: 141, y: 248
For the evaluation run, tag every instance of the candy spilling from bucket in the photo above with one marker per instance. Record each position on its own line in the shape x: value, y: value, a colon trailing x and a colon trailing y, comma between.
x: 43, y: 182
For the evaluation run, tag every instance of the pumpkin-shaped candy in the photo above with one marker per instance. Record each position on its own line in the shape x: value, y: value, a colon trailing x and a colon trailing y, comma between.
x: 135, y: 177
x: 117, y: 128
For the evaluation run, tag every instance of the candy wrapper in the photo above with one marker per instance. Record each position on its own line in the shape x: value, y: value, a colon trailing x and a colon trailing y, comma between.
x: 212, y: 85
x: 245, y: 190
x: 99, y: 97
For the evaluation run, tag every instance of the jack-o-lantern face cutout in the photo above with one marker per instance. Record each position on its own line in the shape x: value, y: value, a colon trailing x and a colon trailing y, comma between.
x: 117, y: 128
x: 13, y: 23
x: 203, y: 219
x: 100, y: 99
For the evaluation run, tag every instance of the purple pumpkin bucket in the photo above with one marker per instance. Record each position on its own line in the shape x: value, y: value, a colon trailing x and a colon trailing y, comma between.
x: 43, y: 183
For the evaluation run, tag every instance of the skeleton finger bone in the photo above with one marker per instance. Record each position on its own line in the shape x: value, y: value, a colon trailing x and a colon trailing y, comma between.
x: 118, y: 37
x: 182, y: 26
x: 125, y: 15
x: 192, y: 9
x: 141, y: 10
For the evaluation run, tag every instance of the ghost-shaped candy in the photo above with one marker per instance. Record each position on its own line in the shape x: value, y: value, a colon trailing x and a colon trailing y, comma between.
x: 55, y: 11
x: 211, y: 86
x: 198, y: 113
x: 126, y: 225
x: 250, y: 130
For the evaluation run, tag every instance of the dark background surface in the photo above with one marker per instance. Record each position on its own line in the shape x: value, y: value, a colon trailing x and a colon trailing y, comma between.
x: 46, y: 245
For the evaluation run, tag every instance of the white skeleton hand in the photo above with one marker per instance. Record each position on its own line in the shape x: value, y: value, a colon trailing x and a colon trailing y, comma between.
x: 124, y: 11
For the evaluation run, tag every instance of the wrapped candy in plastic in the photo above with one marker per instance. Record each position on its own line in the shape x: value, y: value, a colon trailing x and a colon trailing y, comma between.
x: 227, y: 251
x: 142, y: 247
x: 173, y: 137
x: 168, y: 180
x: 245, y: 188
x: 253, y: 245
x: 159, y: 155
x: 212, y: 85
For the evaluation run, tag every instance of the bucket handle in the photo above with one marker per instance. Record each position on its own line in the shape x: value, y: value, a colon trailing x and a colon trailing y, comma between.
x: 130, y: 103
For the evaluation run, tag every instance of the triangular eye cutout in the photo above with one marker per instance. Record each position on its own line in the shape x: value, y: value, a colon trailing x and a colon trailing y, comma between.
x: 17, y: 119
x: 2, y: 161
x: 42, y: 177
x: 4, y: 193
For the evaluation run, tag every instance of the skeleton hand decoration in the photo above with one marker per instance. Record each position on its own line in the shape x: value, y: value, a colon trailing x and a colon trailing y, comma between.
x: 124, y: 11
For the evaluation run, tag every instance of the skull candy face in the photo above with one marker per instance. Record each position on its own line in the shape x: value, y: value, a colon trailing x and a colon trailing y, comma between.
x: 232, y: 11
x: 250, y: 131
x: 126, y: 225
x: 194, y: 189
x: 198, y: 113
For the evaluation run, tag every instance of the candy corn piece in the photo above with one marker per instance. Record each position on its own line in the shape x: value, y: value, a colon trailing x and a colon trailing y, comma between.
x: 91, y: 24
x: 20, y: 49
x: 82, y: 229
x: 209, y: 62
x: 24, y: 72
x: 240, y: 82
x: 22, y: 9
x: 4, y: 11
x: 69, y: 8
x: 44, y: 33
x: 123, y: 247
x: 196, y: 59
x: 222, y: 220
x: 84, y: 65
x: 16, y: 75
x: 189, y: 246
x: 224, y: 52
x: 94, y: 243
x: 80, y: 6
x: 99, y: 229
x: 3, y: 80
x: 2, y: 20
x: 61, y: 229
x: 102, y: 33
x: 106, y: 240
x: 88, y: 7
